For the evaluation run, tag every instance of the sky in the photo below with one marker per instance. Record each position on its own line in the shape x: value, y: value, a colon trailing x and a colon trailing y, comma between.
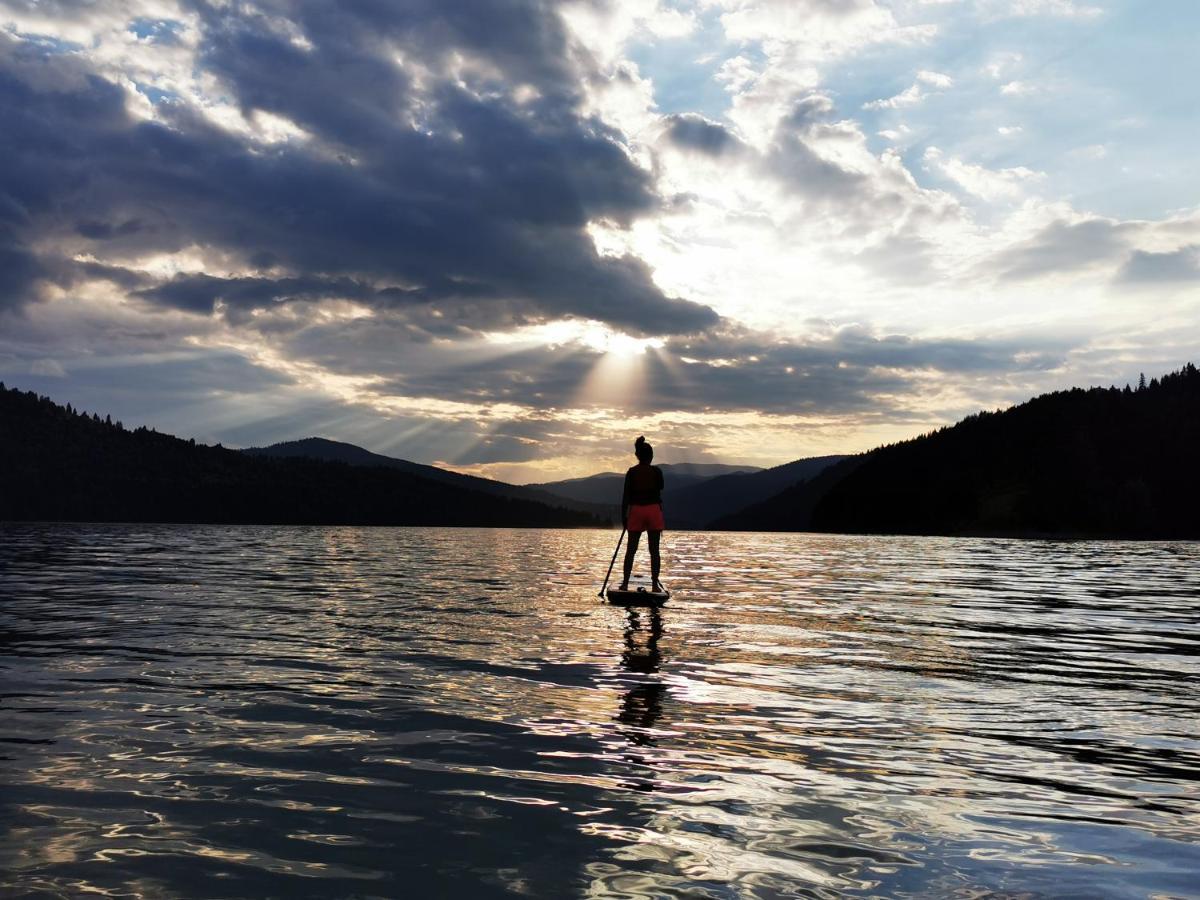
x: 508, y: 236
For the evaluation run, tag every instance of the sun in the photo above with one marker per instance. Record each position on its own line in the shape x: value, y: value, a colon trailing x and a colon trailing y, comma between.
x: 594, y: 336
x: 616, y: 343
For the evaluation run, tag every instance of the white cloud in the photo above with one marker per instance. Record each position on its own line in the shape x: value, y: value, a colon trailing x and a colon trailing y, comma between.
x: 797, y: 39
x: 737, y: 74
x: 935, y: 79
x: 913, y: 95
x: 987, y: 184
x: 1001, y: 64
x: 908, y: 97
x: 818, y: 29
x: 1009, y: 130
x: 895, y: 134
x: 1018, y: 88
x: 605, y: 29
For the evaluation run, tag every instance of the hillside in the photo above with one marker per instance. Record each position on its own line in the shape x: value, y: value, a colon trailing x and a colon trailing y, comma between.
x: 58, y: 464
x: 1103, y: 462
x: 351, y: 454
x: 698, y: 505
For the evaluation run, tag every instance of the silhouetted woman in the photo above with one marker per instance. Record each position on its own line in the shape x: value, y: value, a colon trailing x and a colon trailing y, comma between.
x: 641, y: 509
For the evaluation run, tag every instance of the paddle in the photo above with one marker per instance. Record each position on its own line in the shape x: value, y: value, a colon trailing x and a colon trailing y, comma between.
x: 611, y: 564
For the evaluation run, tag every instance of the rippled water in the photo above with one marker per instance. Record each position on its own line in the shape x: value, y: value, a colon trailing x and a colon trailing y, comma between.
x: 244, y: 712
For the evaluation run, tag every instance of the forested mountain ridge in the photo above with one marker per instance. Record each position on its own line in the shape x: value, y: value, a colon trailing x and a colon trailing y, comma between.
x: 1101, y: 462
x: 59, y: 464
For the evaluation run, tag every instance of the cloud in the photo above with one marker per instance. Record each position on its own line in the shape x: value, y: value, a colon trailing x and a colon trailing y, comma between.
x: 895, y: 134
x: 690, y: 131
x: 916, y: 93
x: 1018, y: 88
x: 832, y: 370
x: 988, y: 184
x: 796, y: 39
x: 1064, y: 246
x: 908, y: 97
x: 1174, y: 267
x: 935, y: 79
x: 1001, y: 64
x: 430, y: 184
x: 406, y: 224
x: 49, y: 368
x: 819, y: 29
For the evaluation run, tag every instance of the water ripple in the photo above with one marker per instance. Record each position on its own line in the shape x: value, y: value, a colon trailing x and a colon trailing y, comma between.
x: 214, y: 711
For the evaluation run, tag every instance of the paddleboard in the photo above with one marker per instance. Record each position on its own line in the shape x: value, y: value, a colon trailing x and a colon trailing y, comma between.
x: 639, y: 597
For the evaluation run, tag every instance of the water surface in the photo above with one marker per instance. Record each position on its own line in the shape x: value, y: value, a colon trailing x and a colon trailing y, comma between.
x: 290, y: 712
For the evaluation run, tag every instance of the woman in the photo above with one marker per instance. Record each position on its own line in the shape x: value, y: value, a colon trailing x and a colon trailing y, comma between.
x: 641, y: 509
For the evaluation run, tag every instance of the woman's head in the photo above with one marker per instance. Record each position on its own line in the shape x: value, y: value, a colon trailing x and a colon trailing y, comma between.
x: 643, y: 450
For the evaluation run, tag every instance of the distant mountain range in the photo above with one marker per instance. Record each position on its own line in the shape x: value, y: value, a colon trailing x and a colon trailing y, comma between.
x: 697, y: 494
x: 606, y: 487
x: 1099, y: 463
x: 700, y: 505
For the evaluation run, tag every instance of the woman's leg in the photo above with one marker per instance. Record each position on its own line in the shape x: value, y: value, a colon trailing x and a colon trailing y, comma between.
x: 630, y: 550
x: 655, y: 561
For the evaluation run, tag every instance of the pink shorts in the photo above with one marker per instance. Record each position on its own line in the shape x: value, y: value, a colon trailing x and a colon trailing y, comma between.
x: 645, y: 518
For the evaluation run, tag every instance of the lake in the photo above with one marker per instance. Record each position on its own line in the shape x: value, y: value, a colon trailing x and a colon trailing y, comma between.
x: 290, y: 712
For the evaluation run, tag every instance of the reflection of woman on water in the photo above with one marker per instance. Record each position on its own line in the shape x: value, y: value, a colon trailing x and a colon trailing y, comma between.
x: 641, y: 509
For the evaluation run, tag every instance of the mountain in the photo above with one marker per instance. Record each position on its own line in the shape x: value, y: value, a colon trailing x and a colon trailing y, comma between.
x: 58, y: 464
x: 696, y: 505
x: 605, y: 488
x: 791, y: 509
x: 350, y: 454
x: 1102, y: 462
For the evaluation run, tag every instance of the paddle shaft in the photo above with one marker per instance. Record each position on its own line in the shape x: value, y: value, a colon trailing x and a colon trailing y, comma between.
x: 608, y: 575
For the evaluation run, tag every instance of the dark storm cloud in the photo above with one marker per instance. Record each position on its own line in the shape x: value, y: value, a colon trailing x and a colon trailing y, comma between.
x: 199, y: 293
x: 20, y: 271
x: 448, y: 192
x: 690, y: 131
x: 1180, y: 265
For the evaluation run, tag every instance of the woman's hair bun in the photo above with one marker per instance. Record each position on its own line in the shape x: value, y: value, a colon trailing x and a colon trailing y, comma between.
x: 643, y: 450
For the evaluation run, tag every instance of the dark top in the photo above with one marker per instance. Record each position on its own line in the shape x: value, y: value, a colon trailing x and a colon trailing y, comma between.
x: 643, y: 486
